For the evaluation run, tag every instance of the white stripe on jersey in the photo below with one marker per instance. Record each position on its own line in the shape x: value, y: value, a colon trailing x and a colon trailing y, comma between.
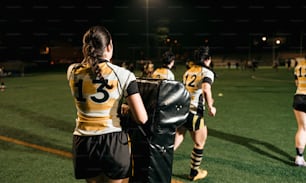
x: 163, y: 73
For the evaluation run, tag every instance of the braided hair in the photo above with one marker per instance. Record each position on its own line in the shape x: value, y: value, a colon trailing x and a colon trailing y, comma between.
x: 95, y: 40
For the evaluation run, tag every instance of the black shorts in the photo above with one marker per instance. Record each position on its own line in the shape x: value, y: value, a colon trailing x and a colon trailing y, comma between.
x: 299, y: 102
x: 194, y: 122
x: 108, y: 153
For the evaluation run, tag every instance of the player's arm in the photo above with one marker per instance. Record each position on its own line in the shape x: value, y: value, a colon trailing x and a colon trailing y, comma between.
x: 296, y: 80
x: 135, y: 103
x: 206, y: 88
x: 137, y: 108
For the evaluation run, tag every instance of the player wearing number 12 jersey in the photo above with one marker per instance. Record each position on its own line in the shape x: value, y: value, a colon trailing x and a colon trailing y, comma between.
x: 299, y: 109
x: 101, y: 151
x: 198, y: 80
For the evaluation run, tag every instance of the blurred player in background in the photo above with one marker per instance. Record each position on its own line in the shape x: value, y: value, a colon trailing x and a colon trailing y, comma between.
x: 2, y: 74
x: 148, y: 69
x: 164, y: 72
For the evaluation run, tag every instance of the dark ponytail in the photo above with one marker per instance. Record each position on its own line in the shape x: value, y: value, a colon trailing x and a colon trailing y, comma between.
x: 95, y: 40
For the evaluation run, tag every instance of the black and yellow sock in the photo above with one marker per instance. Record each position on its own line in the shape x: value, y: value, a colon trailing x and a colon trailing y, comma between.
x: 196, y: 159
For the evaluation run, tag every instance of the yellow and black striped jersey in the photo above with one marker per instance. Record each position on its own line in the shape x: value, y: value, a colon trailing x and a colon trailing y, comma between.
x: 193, y: 79
x: 96, y: 101
x: 300, y: 76
x: 163, y: 73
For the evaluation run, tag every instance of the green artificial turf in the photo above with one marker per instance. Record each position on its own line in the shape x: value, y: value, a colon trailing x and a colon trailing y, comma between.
x: 251, y: 139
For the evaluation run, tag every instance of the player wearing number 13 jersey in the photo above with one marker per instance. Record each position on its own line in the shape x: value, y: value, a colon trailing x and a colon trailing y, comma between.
x: 101, y: 151
x: 97, y: 100
x: 198, y: 80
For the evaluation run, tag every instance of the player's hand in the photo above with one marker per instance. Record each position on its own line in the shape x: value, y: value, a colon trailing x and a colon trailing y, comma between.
x: 124, y: 109
x: 212, y: 111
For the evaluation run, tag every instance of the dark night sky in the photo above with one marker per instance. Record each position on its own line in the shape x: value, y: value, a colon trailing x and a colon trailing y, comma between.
x: 229, y: 26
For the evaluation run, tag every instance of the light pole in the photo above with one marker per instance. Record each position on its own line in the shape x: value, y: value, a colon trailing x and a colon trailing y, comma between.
x: 301, y: 43
x: 250, y: 48
x: 275, y: 42
x: 147, y: 29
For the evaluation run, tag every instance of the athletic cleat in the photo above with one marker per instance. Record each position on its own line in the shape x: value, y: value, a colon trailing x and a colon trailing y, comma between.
x: 201, y: 175
x: 299, y: 161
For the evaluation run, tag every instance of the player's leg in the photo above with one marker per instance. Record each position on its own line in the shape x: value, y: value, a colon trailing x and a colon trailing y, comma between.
x: 199, y: 137
x: 179, y: 136
x: 98, y: 179
x: 300, y: 137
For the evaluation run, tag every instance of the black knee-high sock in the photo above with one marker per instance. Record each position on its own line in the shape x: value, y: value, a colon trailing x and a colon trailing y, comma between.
x: 196, y: 159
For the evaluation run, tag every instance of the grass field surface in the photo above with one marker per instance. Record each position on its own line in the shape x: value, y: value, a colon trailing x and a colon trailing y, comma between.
x: 251, y: 139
